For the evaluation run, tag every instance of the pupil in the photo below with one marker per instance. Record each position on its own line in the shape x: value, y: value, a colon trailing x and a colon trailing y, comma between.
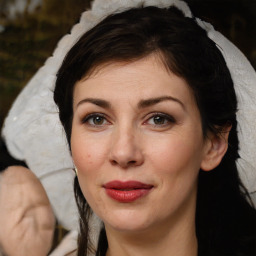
x: 158, y: 120
x: 98, y: 120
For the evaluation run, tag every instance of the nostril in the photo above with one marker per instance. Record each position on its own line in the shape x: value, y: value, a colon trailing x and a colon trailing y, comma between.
x: 113, y: 162
x: 123, y: 164
x: 131, y: 162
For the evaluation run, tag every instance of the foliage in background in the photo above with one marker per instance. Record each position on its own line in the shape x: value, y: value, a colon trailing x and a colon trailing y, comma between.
x: 28, y: 39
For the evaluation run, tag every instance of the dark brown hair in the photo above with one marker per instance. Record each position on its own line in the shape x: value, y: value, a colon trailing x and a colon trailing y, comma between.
x: 225, y: 221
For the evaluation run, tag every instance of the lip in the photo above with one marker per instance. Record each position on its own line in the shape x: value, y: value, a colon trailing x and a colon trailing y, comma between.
x: 127, y: 191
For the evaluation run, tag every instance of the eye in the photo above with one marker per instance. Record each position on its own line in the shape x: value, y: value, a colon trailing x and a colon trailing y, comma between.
x: 160, y: 119
x: 95, y: 120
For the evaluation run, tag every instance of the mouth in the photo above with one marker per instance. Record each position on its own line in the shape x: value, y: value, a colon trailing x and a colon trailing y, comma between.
x: 128, y: 191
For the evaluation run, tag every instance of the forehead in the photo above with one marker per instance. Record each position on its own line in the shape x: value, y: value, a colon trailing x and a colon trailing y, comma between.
x: 146, y: 78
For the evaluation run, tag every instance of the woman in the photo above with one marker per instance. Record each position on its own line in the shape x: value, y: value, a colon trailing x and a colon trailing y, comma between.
x: 149, y: 109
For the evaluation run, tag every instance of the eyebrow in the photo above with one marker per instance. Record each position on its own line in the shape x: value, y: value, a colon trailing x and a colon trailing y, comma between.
x: 142, y: 103
x: 153, y: 101
x: 95, y: 101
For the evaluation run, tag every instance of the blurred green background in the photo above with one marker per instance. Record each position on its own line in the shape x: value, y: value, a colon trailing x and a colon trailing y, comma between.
x: 30, y: 30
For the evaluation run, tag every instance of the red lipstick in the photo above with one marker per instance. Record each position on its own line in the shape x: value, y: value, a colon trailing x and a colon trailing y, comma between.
x: 128, y: 191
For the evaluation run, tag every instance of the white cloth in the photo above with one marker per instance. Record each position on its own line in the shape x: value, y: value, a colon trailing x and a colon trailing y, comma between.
x: 244, y: 78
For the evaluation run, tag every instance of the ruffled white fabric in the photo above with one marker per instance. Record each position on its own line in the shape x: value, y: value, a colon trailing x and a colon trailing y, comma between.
x: 33, y: 133
x: 244, y: 78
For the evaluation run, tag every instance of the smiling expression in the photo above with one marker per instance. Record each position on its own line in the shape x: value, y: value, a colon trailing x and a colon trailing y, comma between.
x: 137, y: 124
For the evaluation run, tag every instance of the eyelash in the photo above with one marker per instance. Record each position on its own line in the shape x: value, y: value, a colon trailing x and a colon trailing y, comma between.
x: 167, y: 119
x: 92, y: 116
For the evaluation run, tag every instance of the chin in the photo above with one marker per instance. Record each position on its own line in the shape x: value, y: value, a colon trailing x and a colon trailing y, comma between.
x: 128, y: 221
x: 129, y: 227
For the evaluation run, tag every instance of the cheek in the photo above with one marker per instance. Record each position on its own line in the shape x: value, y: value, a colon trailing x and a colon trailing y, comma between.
x: 175, y: 154
x: 88, y: 157
x: 176, y: 162
x: 176, y: 165
x: 88, y: 152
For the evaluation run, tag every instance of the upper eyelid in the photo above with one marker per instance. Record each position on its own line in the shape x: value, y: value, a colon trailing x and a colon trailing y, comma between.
x: 152, y: 114
x: 147, y: 116
x: 90, y: 115
x: 168, y: 117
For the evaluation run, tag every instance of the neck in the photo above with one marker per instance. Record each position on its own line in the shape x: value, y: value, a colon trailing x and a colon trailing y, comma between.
x: 178, y: 237
x: 173, y: 243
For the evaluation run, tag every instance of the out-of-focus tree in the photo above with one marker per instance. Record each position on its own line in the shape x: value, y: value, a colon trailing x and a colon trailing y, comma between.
x: 29, y: 32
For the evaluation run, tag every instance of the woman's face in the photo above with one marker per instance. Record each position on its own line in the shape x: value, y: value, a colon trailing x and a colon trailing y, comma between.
x: 137, y: 144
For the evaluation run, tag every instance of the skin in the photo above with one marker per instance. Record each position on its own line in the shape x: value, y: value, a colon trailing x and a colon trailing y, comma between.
x: 26, y: 218
x: 154, y: 142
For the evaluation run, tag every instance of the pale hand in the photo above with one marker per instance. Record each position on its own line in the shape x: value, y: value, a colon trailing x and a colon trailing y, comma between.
x: 26, y: 217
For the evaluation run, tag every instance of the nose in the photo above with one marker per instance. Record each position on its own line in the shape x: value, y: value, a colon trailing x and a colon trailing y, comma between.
x: 125, y: 149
